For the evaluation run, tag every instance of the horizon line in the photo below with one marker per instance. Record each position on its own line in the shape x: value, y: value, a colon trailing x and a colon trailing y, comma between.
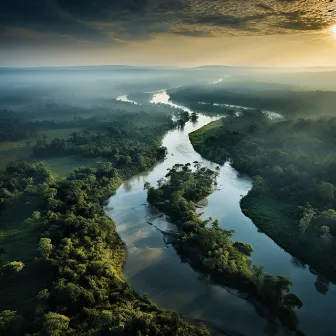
x: 161, y: 66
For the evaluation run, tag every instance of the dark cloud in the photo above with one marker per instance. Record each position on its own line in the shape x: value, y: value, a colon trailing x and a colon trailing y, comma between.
x: 264, y: 6
x: 194, y: 33
x: 104, y: 21
x: 103, y: 9
x: 298, y: 20
x: 46, y: 18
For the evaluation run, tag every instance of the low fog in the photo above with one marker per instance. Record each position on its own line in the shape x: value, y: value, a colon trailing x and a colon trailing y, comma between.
x: 310, y: 90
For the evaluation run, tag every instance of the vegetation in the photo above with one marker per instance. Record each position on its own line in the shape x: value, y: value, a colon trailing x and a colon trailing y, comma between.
x: 126, y: 144
x: 13, y: 128
x: 72, y: 140
x: 60, y: 256
x: 209, y: 248
x: 18, y: 126
x: 287, y: 101
x: 182, y: 117
x: 83, y: 256
x: 293, y: 165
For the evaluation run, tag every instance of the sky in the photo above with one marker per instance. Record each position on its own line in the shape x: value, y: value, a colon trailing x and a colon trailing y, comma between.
x: 168, y: 32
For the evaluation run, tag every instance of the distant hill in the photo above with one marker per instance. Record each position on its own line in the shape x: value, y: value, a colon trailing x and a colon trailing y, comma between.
x: 228, y: 68
x: 224, y: 68
x: 89, y: 68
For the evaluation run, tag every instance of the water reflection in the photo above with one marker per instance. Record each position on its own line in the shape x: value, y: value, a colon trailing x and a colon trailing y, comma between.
x: 127, y: 186
x: 162, y: 97
x: 296, y: 262
x: 152, y: 267
x: 322, y: 284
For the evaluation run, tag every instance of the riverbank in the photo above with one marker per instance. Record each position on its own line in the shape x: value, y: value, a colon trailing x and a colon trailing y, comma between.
x: 208, y: 248
x: 269, y: 210
x: 154, y: 268
x: 79, y: 249
x: 275, y: 212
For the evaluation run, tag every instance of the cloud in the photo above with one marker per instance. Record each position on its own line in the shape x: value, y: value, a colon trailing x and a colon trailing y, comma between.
x: 103, y: 21
x: 264, y: 6
x: 43, y: 19
x: 299, y: 21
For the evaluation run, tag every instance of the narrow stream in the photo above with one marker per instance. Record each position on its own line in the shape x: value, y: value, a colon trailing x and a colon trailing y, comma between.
x: 152, y: 267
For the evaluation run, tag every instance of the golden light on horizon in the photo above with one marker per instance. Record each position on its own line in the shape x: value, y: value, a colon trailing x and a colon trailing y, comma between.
x: 333, y: 29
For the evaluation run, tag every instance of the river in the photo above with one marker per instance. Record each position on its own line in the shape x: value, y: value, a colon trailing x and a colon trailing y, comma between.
x: 153, y: 267
x: 125, y: 99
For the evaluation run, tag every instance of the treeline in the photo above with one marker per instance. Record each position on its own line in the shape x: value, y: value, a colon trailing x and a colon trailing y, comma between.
x: 13, y: 127
x: 82, y: 255
x: 18, y: 177
x: 293, y: 166
x: 283, y: 101
x: 72, y: 283
x: 209, y: 248
x: 131, y: 141
x: 16, y: 126
x: 19, y: 126
x: 50, y: 111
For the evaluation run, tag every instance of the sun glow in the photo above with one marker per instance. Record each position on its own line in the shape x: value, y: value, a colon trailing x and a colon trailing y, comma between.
x: 333, y: 29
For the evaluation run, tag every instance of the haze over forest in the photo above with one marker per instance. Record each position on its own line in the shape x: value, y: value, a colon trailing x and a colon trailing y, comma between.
x: 167, y: 168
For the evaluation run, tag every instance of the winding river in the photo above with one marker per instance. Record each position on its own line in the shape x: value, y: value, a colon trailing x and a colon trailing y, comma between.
x: 153, y: 267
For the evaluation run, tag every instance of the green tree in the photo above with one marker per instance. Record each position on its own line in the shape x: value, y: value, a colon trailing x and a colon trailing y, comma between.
x: 10, y: 323
x: 258, y: 276
x: 45, y: 247
x: 258, y: 180
x: 147, y: 186
x: 277, y: 170
x: 244, y: 248
x: 55, y: 324
x: 308, y: 215
x: 325, y: 236
x: 12, y: 267
x: 326, y: 191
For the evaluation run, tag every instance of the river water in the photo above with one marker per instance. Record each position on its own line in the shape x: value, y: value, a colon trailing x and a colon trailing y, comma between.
x: 126, y: 100
x: 154, y: 268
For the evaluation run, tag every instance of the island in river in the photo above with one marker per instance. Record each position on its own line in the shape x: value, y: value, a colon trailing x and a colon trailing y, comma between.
x: 209, y: 248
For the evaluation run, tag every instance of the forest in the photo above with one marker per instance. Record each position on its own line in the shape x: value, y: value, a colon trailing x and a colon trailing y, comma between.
x: 60, y: 256
x: 126, y: 144
x: 286, y: 100
x: 292, y: 163
x: 70, y: 254
x: 73, y: 280
x: 209, y: 248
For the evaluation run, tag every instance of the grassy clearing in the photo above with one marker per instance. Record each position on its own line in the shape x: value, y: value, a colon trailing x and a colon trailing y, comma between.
x: 8, y: 155
x: 21, y: 150
x: 63, y: 166
x: 63, y: 133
